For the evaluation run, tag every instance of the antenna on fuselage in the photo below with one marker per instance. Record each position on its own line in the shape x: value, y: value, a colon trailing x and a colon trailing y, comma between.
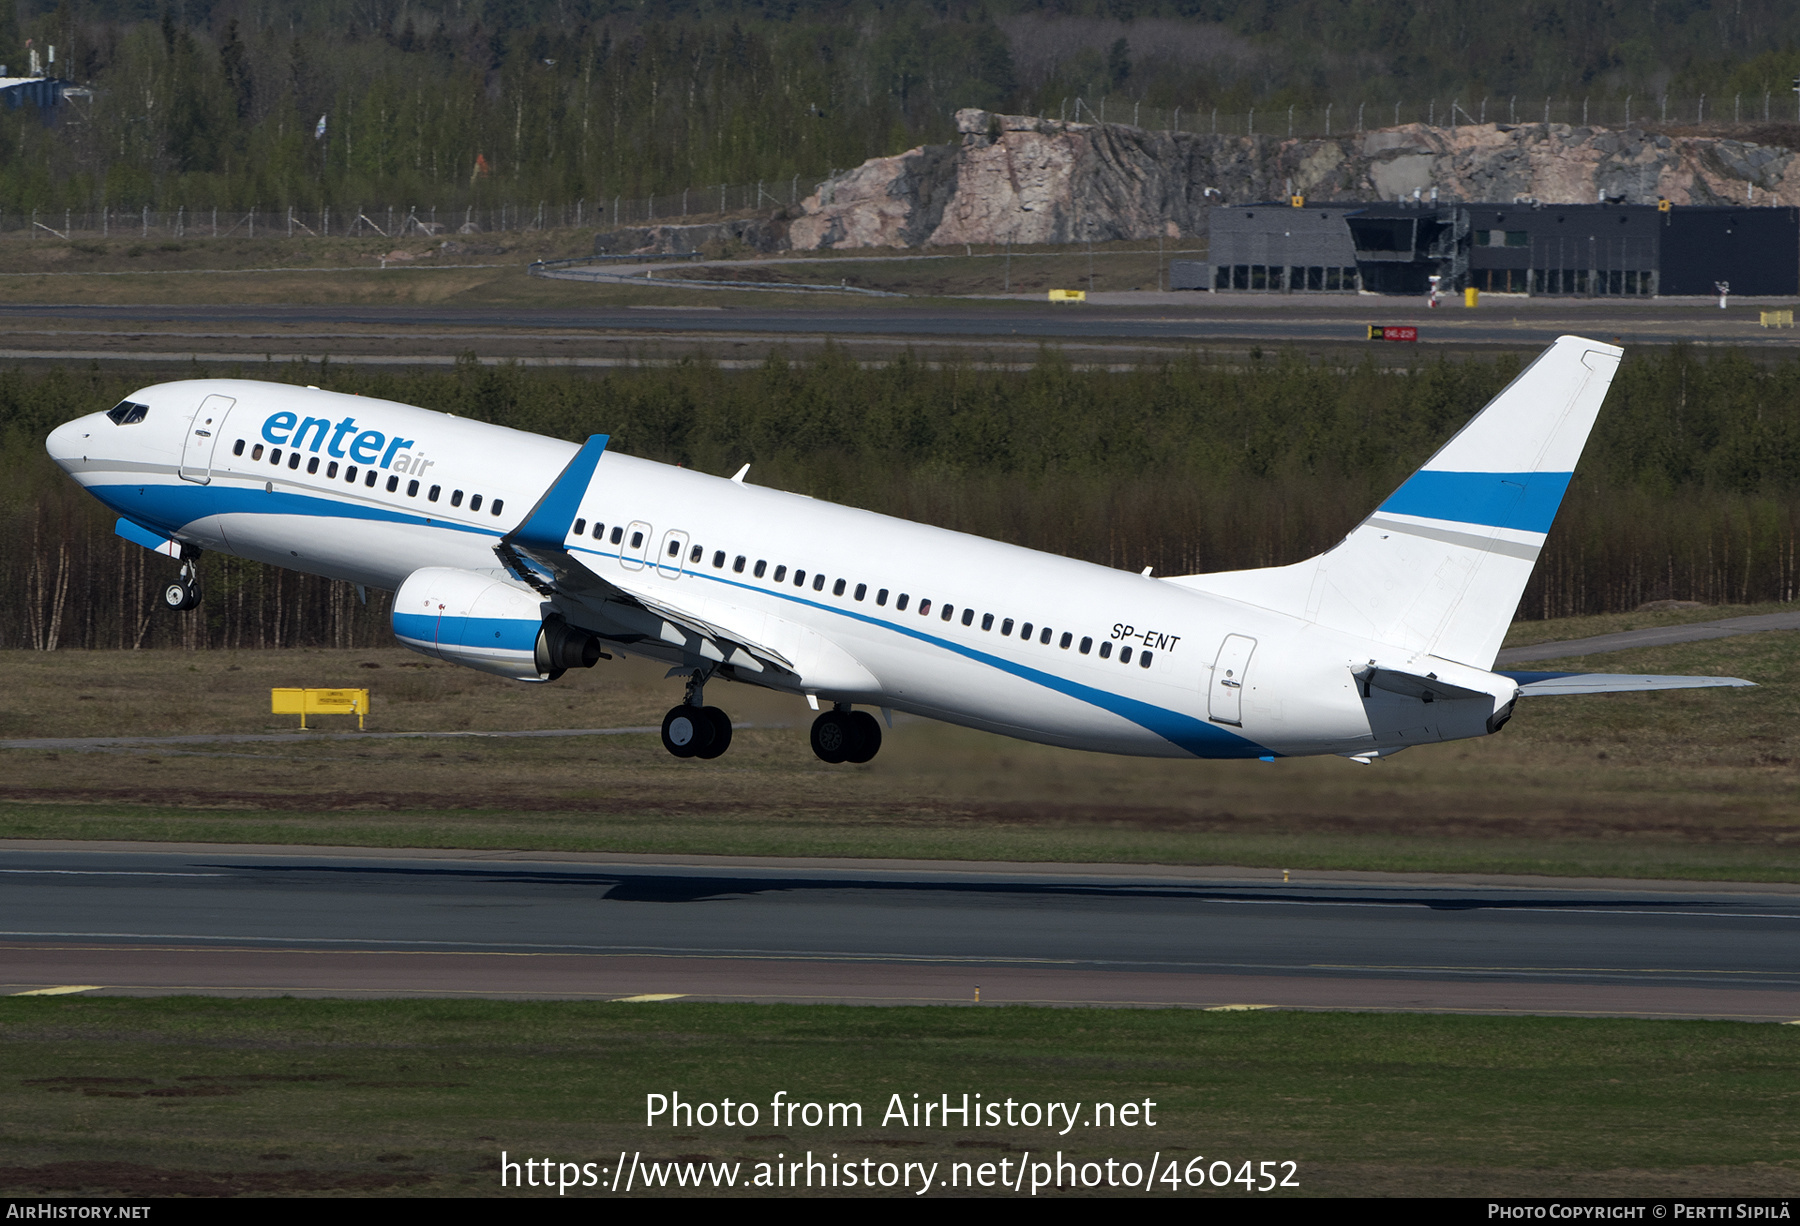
x: 741, y: 474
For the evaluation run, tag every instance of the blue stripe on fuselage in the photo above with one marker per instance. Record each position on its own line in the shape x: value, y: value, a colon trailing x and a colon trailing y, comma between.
x: 1198, y: 737
x: 1525, y: 501
x: 171, y: 506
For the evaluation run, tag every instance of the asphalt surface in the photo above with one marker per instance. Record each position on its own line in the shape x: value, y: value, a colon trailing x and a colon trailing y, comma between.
x: 1159, y: 318
x: 135, y: 919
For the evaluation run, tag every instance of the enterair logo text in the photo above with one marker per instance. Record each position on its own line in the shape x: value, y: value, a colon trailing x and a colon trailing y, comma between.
x: 342, y: 440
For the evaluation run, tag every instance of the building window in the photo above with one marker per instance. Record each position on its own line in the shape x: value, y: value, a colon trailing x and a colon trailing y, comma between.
x: 1222, y: 276
x: 1240, y: 276
x: 1522, y: 238
x: 1315, y: 277
x: 1259, y: 276
x: 1332, y: 280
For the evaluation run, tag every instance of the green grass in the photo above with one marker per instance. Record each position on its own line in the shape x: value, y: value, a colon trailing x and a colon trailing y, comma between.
x: 1696, y: 784
x: 416, y: 1097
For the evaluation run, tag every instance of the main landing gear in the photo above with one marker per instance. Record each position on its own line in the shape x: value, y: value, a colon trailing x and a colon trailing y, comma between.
x: 843, y: 735
x: 184, y: 592
x: 693, y: 730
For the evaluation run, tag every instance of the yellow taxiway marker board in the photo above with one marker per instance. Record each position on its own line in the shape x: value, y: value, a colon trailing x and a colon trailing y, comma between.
x: 304, y: 702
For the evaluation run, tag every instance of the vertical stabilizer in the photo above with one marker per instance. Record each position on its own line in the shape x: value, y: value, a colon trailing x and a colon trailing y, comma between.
x: 1440, y: 566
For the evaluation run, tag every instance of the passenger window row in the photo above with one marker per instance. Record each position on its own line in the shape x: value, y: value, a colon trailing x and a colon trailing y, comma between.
x: 369, y: 476
x: 946, y: 612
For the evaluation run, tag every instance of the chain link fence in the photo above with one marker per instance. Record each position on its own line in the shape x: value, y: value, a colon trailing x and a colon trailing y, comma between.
x: 1450, y: 112
x: 404, y: 221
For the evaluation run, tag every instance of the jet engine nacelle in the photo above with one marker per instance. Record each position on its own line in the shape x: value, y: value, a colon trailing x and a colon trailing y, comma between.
x: 490, y: 624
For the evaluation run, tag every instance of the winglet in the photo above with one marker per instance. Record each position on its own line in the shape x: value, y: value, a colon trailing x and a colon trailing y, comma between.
x: 547, y: 526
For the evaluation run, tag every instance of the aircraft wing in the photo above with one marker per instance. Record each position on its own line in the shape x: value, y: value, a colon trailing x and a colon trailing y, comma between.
x: 537, y: 552
x: 1613, y: 683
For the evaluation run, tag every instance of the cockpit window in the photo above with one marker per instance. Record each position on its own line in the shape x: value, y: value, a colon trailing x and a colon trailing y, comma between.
x: 127, y: 413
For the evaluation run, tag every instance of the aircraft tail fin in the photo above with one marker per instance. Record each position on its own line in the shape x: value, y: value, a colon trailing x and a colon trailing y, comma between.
x: 1440, y: 566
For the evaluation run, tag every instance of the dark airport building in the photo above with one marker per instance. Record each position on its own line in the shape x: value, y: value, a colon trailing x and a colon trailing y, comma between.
x: 1573, y: 250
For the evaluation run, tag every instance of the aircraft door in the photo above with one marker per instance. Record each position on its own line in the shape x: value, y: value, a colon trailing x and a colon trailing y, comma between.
x: 204, y: 431
x: 634, y: 550
x: 669, y: 559
x: 1225, y: 704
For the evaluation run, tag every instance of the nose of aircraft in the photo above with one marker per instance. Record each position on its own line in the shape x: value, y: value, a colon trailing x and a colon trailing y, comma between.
x: 68, y: 444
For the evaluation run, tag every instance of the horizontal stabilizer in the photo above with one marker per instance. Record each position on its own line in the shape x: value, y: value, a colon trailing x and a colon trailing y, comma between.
x: 153, y: 541
x: 1613, y: 683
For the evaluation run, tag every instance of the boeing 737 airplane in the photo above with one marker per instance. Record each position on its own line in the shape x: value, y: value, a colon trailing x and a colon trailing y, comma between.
x: 525, y: 556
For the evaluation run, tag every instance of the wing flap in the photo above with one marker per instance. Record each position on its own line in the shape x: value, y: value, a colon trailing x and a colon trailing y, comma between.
x: 537, y: 553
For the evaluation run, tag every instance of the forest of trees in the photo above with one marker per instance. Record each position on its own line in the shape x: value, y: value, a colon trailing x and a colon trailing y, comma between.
x: 1688, y: 489
x: 216, y: 103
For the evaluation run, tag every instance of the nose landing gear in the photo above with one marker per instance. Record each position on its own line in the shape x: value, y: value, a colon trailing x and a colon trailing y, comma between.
x: 184, y: 593
x: 693, y: 730
x: 843, y: 735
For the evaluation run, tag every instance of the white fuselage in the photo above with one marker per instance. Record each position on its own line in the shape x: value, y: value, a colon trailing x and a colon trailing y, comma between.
x: 212, y: 465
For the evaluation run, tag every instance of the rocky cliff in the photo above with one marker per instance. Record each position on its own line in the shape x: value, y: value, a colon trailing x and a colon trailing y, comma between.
x: 1027, y: 180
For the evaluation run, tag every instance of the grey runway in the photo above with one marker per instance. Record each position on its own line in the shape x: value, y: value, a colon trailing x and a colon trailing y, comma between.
x: 1515, y: 325
x: 338, y: 922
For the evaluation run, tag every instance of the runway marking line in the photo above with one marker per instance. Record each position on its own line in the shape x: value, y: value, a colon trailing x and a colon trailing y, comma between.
x: 1234, y: 1008
x: 648, y: 997
x: 62, y: 991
